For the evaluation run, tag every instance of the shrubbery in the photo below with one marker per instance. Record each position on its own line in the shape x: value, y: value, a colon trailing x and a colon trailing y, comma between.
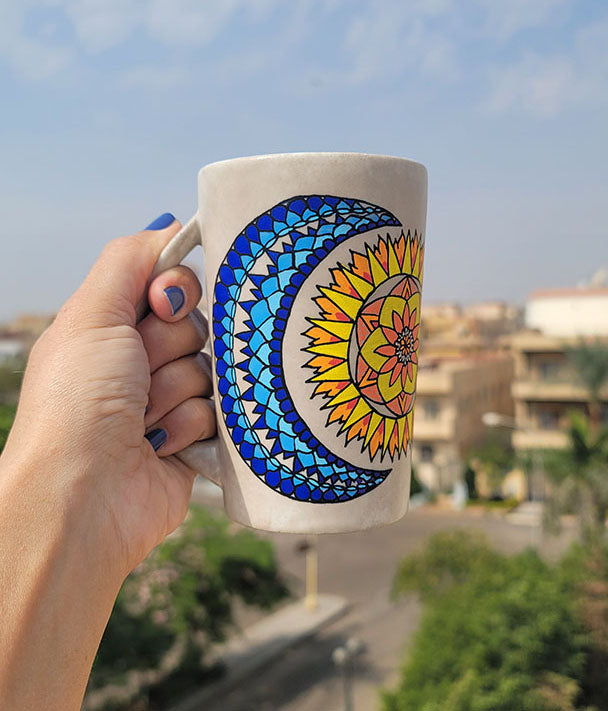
x: 7, y: 414
x: 498, y: 633
x: 180, y: 600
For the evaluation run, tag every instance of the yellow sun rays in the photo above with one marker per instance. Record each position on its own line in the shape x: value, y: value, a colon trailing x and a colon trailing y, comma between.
x: 340, y: 304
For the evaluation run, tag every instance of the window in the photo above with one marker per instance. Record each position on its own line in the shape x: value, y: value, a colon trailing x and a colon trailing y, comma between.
x: 426, y: 453
x: 548, y: 420
x: 548, y: 370
x: 431, y: 409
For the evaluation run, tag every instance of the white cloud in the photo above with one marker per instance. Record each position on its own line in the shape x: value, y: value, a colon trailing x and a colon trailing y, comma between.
x: 154, y: 77
x: 32, y: 56
x: 394, y: 37
x: 545, y: 85
x: 101, y: 24
x: 188, y: 22
x: 504, y: 18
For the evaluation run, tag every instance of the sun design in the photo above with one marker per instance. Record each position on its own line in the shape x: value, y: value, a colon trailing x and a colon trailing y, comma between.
x: 365, y: 344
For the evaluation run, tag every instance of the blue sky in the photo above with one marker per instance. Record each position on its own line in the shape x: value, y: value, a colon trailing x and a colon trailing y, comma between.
x: 109, y: 107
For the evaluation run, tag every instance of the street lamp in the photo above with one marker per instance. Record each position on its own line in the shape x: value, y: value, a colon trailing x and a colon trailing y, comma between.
x: 309, y: 548
x: 495, y: 419
x: 343, y: 657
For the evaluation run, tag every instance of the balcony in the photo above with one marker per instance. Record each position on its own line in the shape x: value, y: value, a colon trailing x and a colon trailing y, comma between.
x: 433, y: 430
x: 551, y: 390
x: 539, y: 439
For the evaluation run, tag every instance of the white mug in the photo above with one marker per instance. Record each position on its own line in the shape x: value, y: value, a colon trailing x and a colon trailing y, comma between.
x: 313, y: 267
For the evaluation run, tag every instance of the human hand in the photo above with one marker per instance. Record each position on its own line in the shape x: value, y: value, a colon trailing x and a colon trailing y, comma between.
x: 82, y: 415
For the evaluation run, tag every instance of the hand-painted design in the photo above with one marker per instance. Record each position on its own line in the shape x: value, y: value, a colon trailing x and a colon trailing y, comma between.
x: 272, y: 257
x: 365, y: 344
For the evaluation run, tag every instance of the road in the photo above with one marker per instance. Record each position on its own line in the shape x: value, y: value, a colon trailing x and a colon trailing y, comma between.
x: 360, y: 567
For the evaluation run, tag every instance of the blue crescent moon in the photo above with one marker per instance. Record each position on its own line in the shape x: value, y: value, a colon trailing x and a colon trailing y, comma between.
x: 289, y: 240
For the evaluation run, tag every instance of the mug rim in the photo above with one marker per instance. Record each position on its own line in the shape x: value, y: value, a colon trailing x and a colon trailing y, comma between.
x: 312, y: 154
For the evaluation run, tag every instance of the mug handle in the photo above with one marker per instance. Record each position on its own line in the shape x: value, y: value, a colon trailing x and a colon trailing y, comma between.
x: 203, y: 456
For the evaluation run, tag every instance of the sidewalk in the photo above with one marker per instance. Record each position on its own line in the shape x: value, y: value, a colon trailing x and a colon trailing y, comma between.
x: 263, y: 642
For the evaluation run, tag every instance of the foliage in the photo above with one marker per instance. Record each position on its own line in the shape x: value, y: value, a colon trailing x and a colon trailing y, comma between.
x: 498, y: 633
x: 415, y: 486
x: 181, y: 597
x: 579, y: 478
x: 469, y: 480
x: 7, y: 415
x: 494, y: 456
x: 590, y: 361
x: 11, y: 375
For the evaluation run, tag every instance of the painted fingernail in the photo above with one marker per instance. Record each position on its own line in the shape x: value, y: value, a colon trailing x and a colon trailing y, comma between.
x: 161, y: 221
x: 176, y: 298
x: 156, y: 438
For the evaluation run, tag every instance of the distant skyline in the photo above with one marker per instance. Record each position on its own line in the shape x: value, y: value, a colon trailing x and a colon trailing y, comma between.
x: 108, y: 109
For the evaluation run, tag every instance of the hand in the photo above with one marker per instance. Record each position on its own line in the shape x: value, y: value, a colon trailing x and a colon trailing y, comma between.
x: 88, y: 480
x: 82, y: 415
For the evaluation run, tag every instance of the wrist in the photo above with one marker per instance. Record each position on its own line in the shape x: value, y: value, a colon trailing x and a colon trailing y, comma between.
x: 57, y: 594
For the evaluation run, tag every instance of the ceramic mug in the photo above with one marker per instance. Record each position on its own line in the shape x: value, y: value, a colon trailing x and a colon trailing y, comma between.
x: 313, y: 267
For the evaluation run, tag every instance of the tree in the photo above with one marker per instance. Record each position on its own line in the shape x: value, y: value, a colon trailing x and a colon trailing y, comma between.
x: 7, y: 415
x: 498, y: 633
x: 11, y: 375
x: 579, y: 479
x: 493, y: 457
x: 179, y: 601
x: 590, y: 361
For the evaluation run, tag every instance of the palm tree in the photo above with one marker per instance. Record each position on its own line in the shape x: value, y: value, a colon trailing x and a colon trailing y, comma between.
x: 590, y: 361
x: 579, y: 479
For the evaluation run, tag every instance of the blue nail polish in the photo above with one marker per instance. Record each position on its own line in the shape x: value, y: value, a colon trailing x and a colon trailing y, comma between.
x: 176, y: 298
x: 156, y: 438
x: 161, y: 221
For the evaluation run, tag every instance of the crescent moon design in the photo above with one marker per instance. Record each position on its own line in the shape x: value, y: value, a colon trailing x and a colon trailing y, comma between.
x: 363, y: 340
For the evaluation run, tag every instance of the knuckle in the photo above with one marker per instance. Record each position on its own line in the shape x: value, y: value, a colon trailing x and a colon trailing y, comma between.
x: 119, y: 247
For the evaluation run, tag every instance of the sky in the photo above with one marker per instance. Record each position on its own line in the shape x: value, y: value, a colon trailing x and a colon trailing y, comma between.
x: 108, y: 108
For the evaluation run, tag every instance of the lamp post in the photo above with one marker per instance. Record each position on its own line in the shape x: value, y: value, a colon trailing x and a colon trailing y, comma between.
x: 309, y: 548
x: 343, y: 657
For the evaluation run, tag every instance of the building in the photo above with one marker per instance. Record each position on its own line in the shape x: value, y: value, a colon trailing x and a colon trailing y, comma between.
x: 546, y: 388
x: 569, y: 313
x: 451, y: 397
x: 479, y: 322
x: 19, y: 335
x: 10, y: 349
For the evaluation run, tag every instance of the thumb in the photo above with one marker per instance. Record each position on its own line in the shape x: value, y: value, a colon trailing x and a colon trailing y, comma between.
x: 118, y: 279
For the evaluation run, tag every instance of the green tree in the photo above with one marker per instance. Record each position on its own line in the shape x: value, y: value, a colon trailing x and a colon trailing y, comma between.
x: 494, y: 457
x: 11, y: 375
x: 7, y: 415
x: 498, y: 633
x: 590, y: 361
x: 579, y: 479
x: 181, y: 599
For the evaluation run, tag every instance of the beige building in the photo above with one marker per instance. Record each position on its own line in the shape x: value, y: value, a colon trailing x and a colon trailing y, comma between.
x: 568, y: 313
x: 451, y: 397
x: 545, y: 390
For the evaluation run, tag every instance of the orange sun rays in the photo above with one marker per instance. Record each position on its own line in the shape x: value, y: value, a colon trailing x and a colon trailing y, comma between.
x: 374, y: 403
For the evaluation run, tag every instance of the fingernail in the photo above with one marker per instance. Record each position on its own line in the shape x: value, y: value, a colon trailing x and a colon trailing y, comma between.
x: 176, y: 298
x: 156, y: 438
x: 161, y: 221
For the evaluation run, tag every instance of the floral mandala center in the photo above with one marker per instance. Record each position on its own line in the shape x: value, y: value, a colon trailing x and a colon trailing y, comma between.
x: 404, y: 346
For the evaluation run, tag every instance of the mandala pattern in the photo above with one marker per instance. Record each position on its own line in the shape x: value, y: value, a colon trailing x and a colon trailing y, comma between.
x: 256, y: 286
x: 365, y: 344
